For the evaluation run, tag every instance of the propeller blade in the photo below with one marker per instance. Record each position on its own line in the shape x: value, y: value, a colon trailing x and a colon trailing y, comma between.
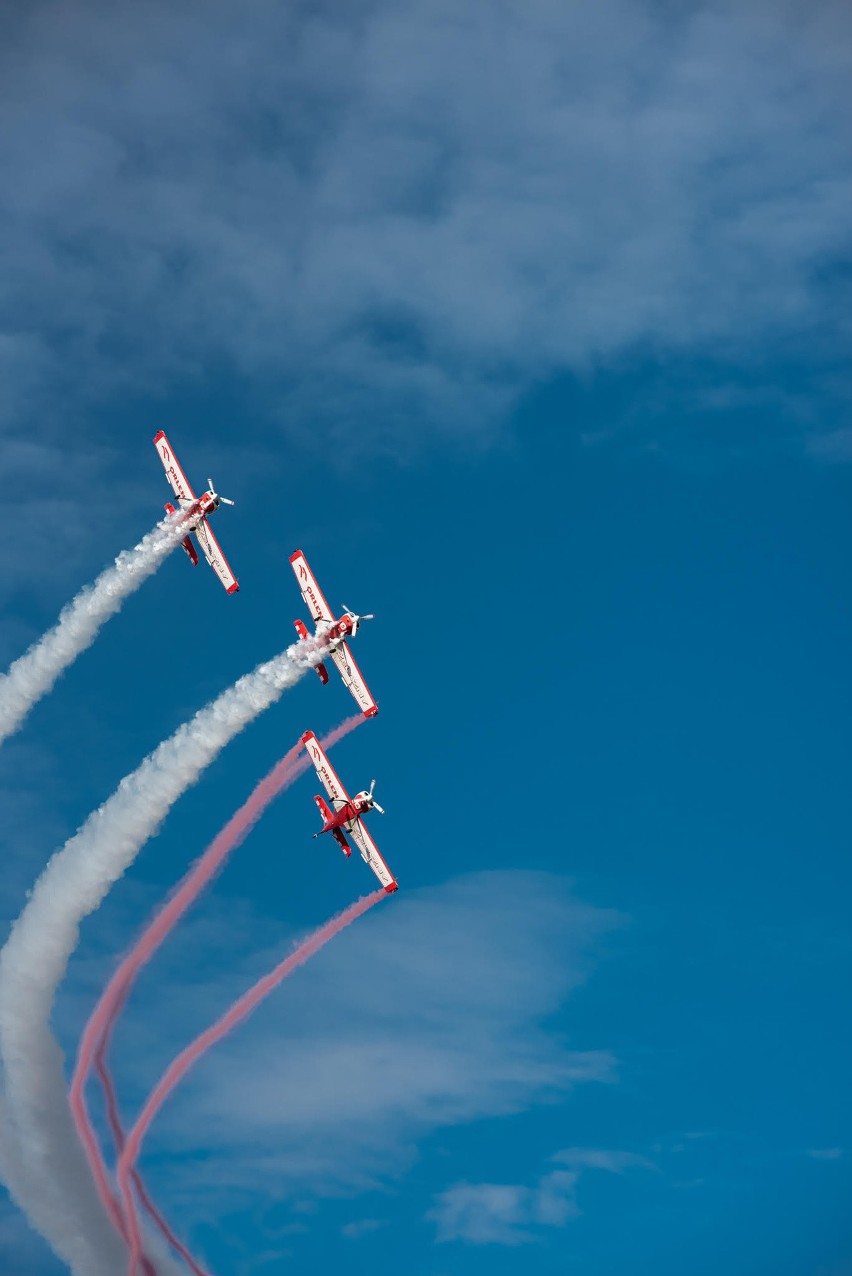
x: 380, y: 809
x: 372, y: 786
x: 210, y: 486
x: 226, y: 501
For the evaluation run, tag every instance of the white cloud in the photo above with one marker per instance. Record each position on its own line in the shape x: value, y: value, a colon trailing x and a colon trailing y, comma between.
x: 483, y: 1213
x: 826, y: 1154
x: 502, y: 1213
x: 364, y: 1227
x: 407, y: 207
x: 615, y: 1162
x: 512, y: 1213
x: 432, y: 1012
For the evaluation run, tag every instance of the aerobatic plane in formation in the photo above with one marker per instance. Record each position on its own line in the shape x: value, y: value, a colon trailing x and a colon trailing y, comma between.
x: 198, y: 508
x: 332, y: 633
x: 345, y: 815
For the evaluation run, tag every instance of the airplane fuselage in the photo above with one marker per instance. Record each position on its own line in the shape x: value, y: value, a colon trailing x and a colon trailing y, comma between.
x: 333, y: 633
x: 353, y: 808
x: 206, y: 503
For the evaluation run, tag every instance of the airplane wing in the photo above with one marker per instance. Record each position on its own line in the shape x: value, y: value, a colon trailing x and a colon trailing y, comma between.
x: 325, y: 771
x: 317, y: 605
x: 370, y: 854
x: 214, y: 555
x: 351, y: 675
x: 175, y: 475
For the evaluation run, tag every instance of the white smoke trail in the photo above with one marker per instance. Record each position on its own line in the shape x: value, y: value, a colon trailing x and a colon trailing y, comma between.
x: 33, y: 674
x: 52, y: 1211
x: 55, y: 1187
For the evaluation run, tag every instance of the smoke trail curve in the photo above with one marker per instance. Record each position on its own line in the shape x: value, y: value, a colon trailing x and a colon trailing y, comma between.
x: 64, y: 1205
x: 180, y: 1065
x: 32, y: 675
x: 94, y: 1041
x: 114, y: 1119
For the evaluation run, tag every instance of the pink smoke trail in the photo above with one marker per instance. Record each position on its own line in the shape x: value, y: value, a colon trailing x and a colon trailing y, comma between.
x: 179, y: 1066
x: 114, y: 1118
x: 98, y: 1029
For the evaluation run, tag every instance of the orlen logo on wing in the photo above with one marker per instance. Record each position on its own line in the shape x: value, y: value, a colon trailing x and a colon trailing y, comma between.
x: 170, y: 469
x: 332, y: 787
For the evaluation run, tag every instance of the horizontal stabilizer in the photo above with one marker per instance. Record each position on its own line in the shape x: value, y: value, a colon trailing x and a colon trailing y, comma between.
x: 190, y: 550
x: 323, y: 808
x: 337, y: 834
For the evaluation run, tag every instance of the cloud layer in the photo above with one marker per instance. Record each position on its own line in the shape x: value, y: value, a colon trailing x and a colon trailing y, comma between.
x: 411, y: 209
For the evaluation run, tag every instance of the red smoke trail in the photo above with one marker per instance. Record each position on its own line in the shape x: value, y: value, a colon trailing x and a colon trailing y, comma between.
x: 98, y: 1029
x: 115, y: 1126
x: 179, y: 1066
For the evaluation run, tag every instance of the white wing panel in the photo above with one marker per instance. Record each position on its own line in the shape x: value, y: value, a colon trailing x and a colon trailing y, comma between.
x: 215, y: 557
x: 370, y: 854
x: 351, y: 675
x: 326, y: 772
x: 174, y: 473
x: 319, y: 608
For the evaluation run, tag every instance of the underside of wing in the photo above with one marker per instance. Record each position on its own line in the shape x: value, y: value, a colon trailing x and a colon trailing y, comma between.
x: 314, y: 597
x: 370, y: 854
x: 354, y: 680
x: 174, y: 473
x: 326, y: 772
x: 215, y: 557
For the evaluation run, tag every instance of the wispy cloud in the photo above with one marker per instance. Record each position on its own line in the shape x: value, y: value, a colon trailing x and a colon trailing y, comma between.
x: 363, y: 1227
x: 411, y: 208
x: 513, y: 1213
x: 502, y: 1213
x: 615, y: 1162
x: 433, y: 1012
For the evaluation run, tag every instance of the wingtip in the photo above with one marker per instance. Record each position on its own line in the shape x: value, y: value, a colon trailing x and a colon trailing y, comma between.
x: 161, y: 434
x: 297, y: 553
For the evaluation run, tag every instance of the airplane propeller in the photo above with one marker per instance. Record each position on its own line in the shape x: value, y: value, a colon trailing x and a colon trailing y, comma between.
x: 356, y: 619
x: 373, y: 803
x: 223, y: 499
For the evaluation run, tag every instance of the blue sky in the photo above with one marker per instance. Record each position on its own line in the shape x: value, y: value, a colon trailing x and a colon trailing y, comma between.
x: 529, y: 327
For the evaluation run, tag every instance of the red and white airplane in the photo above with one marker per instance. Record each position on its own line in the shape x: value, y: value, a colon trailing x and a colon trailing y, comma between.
x: 345, y: 815
x: 332, y: 634
x: 196, y: 507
